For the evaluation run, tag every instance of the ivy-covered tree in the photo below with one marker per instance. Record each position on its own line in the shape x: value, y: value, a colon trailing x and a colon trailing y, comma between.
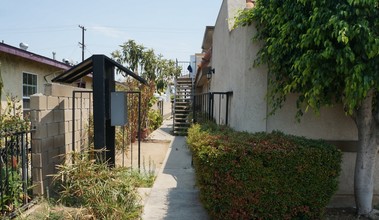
x: 327, y: 52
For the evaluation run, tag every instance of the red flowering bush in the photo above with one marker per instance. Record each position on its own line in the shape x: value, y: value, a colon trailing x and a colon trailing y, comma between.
x: 261, y: 175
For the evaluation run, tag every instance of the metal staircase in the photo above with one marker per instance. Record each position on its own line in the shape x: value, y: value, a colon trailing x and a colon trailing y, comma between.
x: 182, y: 105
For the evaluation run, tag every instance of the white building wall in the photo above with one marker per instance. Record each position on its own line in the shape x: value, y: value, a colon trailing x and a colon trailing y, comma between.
x: 232, y: 59
x: 331, y: 124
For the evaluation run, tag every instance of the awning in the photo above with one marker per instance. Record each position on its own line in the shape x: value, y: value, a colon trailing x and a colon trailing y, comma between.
x: 86, y: 67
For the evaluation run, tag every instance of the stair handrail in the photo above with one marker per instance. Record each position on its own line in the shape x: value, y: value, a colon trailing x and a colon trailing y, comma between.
x: 174, y: 107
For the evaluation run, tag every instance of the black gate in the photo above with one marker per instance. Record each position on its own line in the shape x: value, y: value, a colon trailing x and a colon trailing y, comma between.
x: 86, y: 126
x: 15, y: 171
x: 212, y: 106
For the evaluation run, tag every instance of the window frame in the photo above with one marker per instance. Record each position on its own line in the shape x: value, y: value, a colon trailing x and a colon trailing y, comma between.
x: 28, y: 85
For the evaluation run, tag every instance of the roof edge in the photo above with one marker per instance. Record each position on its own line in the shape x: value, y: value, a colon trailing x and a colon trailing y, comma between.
x: 32, y: 56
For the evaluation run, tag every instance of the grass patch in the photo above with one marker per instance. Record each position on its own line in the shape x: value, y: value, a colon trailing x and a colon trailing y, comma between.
x: 87, y: 189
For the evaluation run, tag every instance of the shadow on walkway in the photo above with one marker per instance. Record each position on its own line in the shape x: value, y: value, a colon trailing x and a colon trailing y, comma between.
x: 174, y: 195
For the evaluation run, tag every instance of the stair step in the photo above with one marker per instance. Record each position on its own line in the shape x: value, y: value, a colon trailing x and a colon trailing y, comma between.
x: 182, y: 110
x: 181, y: 115
x: 182, y: 107
x: 181, y: 85
x: 181, y: 128
x: 181, y: 123
x: 181, y: 80
x: 181, y: 119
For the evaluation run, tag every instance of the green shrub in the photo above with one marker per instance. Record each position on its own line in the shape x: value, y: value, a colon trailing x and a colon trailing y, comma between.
x: 155, y: 119
x: 106, y: 193
x: 262, y: 176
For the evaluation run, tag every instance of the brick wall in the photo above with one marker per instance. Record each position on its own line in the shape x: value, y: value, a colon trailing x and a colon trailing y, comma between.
x: 52, y: 117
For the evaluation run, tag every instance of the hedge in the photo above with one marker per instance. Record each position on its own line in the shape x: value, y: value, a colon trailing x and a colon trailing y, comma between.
x: 262, y: 175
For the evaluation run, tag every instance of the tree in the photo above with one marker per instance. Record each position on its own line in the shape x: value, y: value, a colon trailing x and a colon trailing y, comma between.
x: 146, y: 63
x: 155, y: 69
x: 131, y: 55
x: 327, y: 52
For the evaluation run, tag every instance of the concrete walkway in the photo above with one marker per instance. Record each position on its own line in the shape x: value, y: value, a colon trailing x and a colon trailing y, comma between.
x: 174, y: 195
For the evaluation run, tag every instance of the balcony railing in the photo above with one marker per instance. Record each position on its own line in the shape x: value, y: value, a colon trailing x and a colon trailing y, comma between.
x: 212, y: 106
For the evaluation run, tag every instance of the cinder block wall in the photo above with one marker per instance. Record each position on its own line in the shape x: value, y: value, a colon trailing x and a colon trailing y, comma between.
x: 52, y: 117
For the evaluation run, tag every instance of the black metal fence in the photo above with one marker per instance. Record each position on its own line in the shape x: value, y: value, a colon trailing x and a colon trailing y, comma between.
x: 15, y: 171
x: 212, y: 106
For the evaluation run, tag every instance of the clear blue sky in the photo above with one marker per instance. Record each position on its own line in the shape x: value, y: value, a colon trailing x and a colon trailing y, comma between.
x: 172, y: 28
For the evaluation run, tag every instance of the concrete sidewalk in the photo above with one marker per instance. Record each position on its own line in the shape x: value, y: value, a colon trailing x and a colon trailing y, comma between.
x: 174, y: 195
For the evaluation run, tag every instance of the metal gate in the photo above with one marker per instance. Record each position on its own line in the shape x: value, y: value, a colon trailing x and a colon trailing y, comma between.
x: 212, y: 106
x: 83, y: 123
x: 15, y: 171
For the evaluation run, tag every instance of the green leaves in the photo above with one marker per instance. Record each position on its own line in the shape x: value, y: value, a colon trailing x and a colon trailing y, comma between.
x: 262, y: 176
x: 326, y: 51
x: 146, y: 63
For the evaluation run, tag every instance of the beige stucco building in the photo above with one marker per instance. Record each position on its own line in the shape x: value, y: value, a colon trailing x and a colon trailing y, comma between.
x: 232, y: 56
x: 24, y: 73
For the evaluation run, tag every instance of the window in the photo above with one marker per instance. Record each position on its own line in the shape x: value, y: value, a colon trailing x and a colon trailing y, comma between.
x: 29, y: 87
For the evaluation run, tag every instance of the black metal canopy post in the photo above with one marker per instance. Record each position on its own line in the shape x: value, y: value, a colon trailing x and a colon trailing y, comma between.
x: 109, y: 130
x: 98, y: 105
x: 103, y: 83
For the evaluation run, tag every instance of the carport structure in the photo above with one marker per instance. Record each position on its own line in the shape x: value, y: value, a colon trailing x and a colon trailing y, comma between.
x: 103, y: 73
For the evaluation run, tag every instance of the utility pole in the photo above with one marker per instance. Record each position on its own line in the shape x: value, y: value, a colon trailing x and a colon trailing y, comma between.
x: 82, y: 45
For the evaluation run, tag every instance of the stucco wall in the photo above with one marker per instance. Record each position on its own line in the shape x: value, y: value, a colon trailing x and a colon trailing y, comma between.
x: 12, y: 68
x: 232, y: 59
x: 331, y: 124
x: 344, y: 197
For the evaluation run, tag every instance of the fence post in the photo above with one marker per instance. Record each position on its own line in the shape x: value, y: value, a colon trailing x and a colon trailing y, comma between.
x: 227, y: 109
x: 24, y: 170
x: 194, y: 108
x: 210, y: 106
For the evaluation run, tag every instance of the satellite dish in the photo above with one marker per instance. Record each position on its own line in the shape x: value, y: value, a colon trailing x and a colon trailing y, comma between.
x: 24, y: 46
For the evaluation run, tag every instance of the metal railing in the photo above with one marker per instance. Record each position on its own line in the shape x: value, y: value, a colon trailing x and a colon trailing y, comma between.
x: 160, y: 104
x: 212, y: 106
x: 15, y: 171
